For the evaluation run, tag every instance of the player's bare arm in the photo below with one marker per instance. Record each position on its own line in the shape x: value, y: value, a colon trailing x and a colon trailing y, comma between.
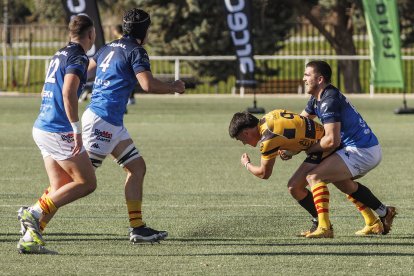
x: 150, y: 84
x: 264, y: 171
x: 285, y: 154
x: 307, y: 115
x: 70, y: 101
x: 330, y: 141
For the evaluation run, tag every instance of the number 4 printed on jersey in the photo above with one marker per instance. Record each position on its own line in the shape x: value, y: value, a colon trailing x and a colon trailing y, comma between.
x: 105, y: 62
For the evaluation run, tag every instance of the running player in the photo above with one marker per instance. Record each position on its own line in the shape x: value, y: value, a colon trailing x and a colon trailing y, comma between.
x: 57, y: 133
x: 284, y: 133
x: 118, y: 66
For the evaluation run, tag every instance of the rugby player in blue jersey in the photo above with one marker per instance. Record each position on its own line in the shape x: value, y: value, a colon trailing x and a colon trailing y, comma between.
x: 118, y: 66
x: 357, y: 151
x: 57, y: 133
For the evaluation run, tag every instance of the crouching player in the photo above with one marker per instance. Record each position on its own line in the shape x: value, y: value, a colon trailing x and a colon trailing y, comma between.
x: 280, y: 132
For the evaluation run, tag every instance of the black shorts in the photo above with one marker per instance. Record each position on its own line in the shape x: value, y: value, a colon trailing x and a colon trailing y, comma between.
x: 317, y: 157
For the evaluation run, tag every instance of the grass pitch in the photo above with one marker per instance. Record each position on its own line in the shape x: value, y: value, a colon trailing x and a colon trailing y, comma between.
x: 221, y: 219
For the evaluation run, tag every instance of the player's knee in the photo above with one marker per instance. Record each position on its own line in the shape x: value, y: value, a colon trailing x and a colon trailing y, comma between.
x: 313, y: 178
x: 137, y: 172
x: 90, y: 185
x: 292, y: 184
x: 296, y: 185
x: 295, y: 190
x: 292, y: 190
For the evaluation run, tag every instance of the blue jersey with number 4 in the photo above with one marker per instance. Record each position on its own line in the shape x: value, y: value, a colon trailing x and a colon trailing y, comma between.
x: 334, y: 107
x: 68, y: 60
x: 118, y: 63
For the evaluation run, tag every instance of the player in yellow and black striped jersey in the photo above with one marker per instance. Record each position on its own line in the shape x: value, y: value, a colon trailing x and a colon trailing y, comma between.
x: 284, y: 130
x: 277, y: 132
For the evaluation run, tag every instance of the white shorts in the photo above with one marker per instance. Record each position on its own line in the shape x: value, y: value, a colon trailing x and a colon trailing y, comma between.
x: 99, y: 136
x: 360, y: 160
x: 57, y: 145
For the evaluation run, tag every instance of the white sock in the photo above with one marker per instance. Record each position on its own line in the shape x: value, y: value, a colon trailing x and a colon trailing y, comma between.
x: 36, y: 211
x: 27, y: 237
x: 381, y: 211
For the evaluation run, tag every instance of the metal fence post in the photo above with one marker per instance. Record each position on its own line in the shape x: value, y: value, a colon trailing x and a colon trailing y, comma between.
x: 46, y: 65
x: 177, y: 72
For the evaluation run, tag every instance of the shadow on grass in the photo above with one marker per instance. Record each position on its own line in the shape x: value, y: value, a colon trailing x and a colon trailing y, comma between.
x: 81, y: 234
x: 299, y: 253
x: 234, y: 242
x: 292, y: 253
x: 7, y: 237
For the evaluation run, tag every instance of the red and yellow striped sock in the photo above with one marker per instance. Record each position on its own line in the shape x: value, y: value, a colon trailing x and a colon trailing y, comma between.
x: 135, y: 213
x: 43, y: 223
x: 46, y: 204
x: 366, y: 212
x: 321, y: 198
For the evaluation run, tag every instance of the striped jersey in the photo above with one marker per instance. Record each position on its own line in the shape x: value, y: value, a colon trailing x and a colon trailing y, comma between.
x: 284, y: 130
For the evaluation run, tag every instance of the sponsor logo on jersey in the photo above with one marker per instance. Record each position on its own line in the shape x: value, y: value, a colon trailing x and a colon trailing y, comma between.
x: 306, y: 143
x: 117, y: 45
x: 104, y: 136
x: 362, y: 122
x: 62, y: 53
x: 47, y: 94
x: 347, y: 154
x: 102, y: 82
x: 67, y: 138
x: 95, y: 145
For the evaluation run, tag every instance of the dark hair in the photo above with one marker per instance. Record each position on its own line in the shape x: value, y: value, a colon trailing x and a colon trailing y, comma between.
x: 241, y: 121
x: 322, y: 68
x: 136, y: 23
x: 80, y: 25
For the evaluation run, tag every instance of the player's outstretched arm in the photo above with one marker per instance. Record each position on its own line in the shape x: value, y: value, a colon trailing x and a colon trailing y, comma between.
x: 150, y: 84
x: 264, y: 171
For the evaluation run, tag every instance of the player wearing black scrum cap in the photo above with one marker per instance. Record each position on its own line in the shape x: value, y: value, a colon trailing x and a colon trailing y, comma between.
x: 118, y: 66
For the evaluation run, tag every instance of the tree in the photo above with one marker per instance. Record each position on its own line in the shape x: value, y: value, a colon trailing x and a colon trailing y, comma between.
x: 18, y: 11
x: 406, y: 11
x: 340, y: 14
x: 197, y: 27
